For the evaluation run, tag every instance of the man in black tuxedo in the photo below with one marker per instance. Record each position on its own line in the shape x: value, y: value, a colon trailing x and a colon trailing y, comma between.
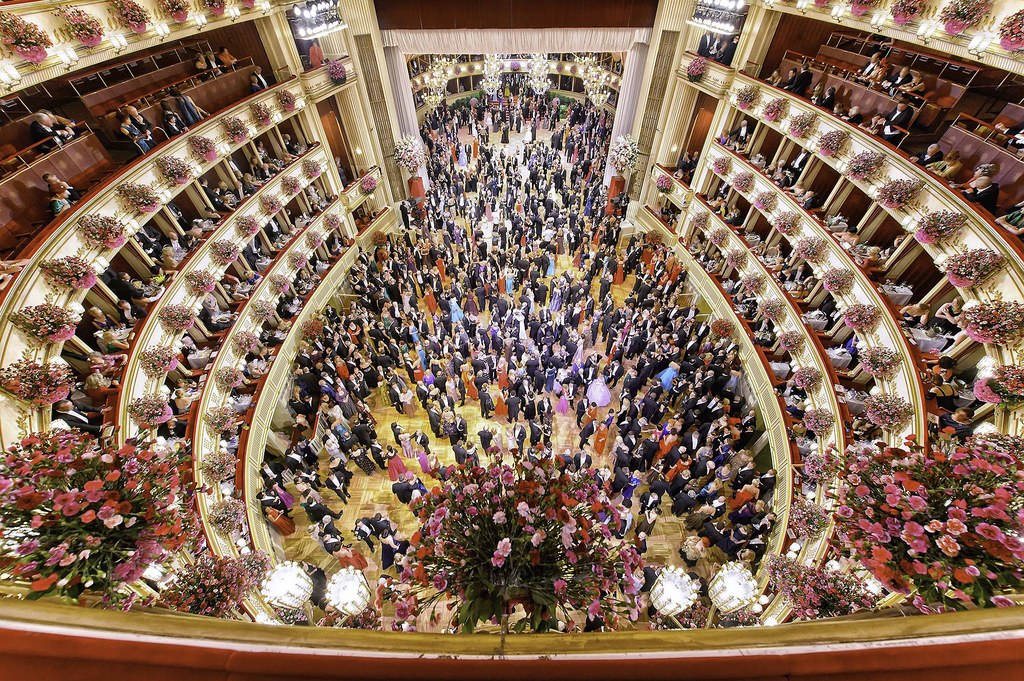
x: 802, y: 80
x: 899, y: 117
x: 77, y: 417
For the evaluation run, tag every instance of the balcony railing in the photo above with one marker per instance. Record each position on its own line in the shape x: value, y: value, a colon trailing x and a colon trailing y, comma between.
x: 680, y: 193
x: 717, y: 78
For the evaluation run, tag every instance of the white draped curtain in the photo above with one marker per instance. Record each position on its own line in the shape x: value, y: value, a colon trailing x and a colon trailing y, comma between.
x: 514, y: 41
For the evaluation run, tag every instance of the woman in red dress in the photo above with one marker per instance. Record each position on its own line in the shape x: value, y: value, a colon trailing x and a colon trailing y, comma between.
x: 467, y: 378
x: 500, y: 408
x: 620, y: 273
x: 502, y: 373
x: 429, y: 299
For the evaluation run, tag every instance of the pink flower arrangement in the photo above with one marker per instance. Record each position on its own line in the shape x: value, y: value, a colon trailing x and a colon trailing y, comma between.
x: 311, y: 168
x: 865, y: 165
x: 149, y: 411
x: 286, y: 100
x: 247, y: 225
x: 215, y: 586
x: 85, y: 27
x: 800, y: 125
x: 772, y: 309
x: 40, y: 384
x: 1011, y: 32
x: 811, y: 248
x: 216, y: 7
x: 791, y: 341
x: 111, y: 513
x: 753, y: 283
x: 223, y: 252
x: 862, y: 317
x: 336, y: 72
x: 279, y: 283
x: 291, y: 185
x: 177, y: 318
x: 46, y: 322
x: 973, y: 267
x: 263, y: 310
x: 807, y: 519
x: 312, y: 328
x: 220, y: 418
x: 270, y: 204
x: 898, y: 194
x: 786, y: 223
x: 721, y: 165
x: 246, y: 342
x: 69, y: 272
x: 158, y: 361
x: 200, y: 282
x: 721, y: 328
x: 832, y: 141
x: 905, y: 11
x: 176, y: 171
x: 332, y: 222
x: 748, y: 96
x: 743, y: 182
x: 736, y: 258
x: 816, y: 592
x: 819, y: 421
x: 774, y: 109
x: 202, y: 148
x: 297, y: 260
x: 409, y: 153
x: 998, y: 322
x: 837, y: 281
x: 314, y: 239
x: 140, y: 197
x: 807, y: 378
x: 890, y: 412
x: 938, y: 226
x: 766, y: 201
x: 823, y: 464
x: 368, y: 184
x: 1004, y: 386
x: 235, y: 129
x: 229, y: 377
x: 219, y: 465
x: 720, y: 236
x: 939, y: 523
x: 175, y: 9
x: 860, y: 7
x: 663, y: 184
x: 25, y: 38
x: 696, y: 69
x: 261, y: 113
x: 879, y: 361
x: 102, y: 231
x: 960, y: 15
x: 131, y: 13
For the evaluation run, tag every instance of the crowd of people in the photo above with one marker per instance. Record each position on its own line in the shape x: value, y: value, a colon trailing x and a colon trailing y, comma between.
x: 498, y: 308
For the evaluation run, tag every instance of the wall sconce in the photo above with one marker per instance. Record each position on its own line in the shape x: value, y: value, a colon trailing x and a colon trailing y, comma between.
x: 118, y: 42
x: 67, y: 56
x: 980, y: 42
x: 200, y: 20
x: 162, y: 30
x: 265, y: 6
x: 769, y: 3
x: 234, y: 12
x: 926, y: 30
x: 802, y: 5
x: 300, y: 102
x: 9, y: 74
x: 838, y: 12
x: 878, y: 20
x: 223, y: 148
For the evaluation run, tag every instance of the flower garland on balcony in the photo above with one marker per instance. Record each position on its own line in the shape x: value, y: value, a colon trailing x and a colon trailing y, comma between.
x: 721, y: 328
x: 297, y: 260
x: 817, y: 592
x: 131, y: 13
x: 333, y: 222
x: 86, y: 28
x: 748, y: 97
x: 832, y: 142
x: 114, y: 512
x: 312, y: 328
x: 25, y: 38
x: 791, y: 341
x: 937, y: 523
x: 899, y: 194
x: 721, y: 165
x: 973, y: 267
x: 774, y: 109
x: 696, y: 69
x: 819, y: 421
x: 663, y: 184
x: 263, y: 310
x: 807, y: 520
x: 409, y: 154
x: 215, y: 586
x: 311, y: 168
x: 865, y: 165
x: 939, y: 226
x: 743, y: 182
x: 202, y: 148
x: 279, y: 283
x: 46, y: 322
x: 890, y: 412
x: 807, y: 378
x: 998, y: 322
x: 177, y: 318
x: 1011, y: 32
x: 140, y: 197
x: 772, y: 309
x: 150, y: 410
x: 261, y: 113
x: 223, y: 252
x: 219, y: 465
x: 246, y: 342
x: 270, y: 204
x: 905, y: 11
x: 158, y: 361
x: 247, y: 226
x: 102, y: 231
x: 69, y: 272
x: 700, y: 222
x: 753, y: 283
x: 336, y: 72
x: 235, y: 128
x: 228, y: 378
x: 175, y: 9
x: 786, y: 223
x: 624, y: 153
x: 174, y: 170
x: 368, y: 184
x: 811, y: 248
x: 960, y: 15
x: 291, y: 185
x: 200, y: 282
x: 1005, y: 386
x: 862, y: 317
x: 766, y: 201
x: 720, y: 236
x: 837, y: 281
x: 40, y: 384
x: 286, y: 100
x: 736, y: 258
x: 879, y: 361
x: 800, y: 125
x: 219, y: 418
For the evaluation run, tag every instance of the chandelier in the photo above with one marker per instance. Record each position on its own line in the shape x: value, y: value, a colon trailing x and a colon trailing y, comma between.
x: 491, y: 82
x: 674, y: 591
x: 348, y: 592
x: 595, y: 80
x: 537, y: 73
x: 431, y: 100
x: 733, y: 588
x: 437, y: 76
x: 287, y: 586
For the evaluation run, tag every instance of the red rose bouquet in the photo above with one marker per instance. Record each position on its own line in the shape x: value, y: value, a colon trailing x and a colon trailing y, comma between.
x: 312, y: 328
x: 721, y: 328
x: 1011, y: 32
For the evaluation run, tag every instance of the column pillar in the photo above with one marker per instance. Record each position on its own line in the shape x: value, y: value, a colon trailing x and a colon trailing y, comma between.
x: 361, y: 142
x: 629, y: 95
x: 350, y: 226
x: 279, y: 44
x: 405, y: 108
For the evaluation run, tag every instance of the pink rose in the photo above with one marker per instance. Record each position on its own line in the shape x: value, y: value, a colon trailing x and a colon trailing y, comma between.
x: 949, y: 546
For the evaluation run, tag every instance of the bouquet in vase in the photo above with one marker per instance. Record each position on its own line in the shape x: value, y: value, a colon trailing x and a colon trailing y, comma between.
x: 721, y: 165
x: 879, y: 361
x: 743, y: 182
x: 801, y: 124
x: 753, y: 283
x: 766, y: 201
x: 837, y: 281
x: 140, y: 197
x: 291, y: 185
x: 263, y: 310
x: 279, y: 283
x: 748, y: 97
x: 246, y: 342
x: 721, y: 328
x: 312, y: 328
x: 131, y: 13
x: 736, y: 258
x: 175, y: 170
x: 720, y: 236
x: 235, y: 128
x: 69, y: 272
x: 999, y: 322
x: 960, y: 15
x: 286, y: 100
x: 220, y: 418
x: 905, y: 11
x: 314, y: 239
x: 86, y: 28
x: 774, y: 110
x: 214, y: 586
x: 202, y: 148
x: 37, y: 383
x: 807, y: 378
x: 200, y: 282
x: 297, y: 260
x: 102, y: 231
x: 862, y: 317
x: 219, y: 465
x: 1004, y: 386
x: 865, y: 165
x: 158, y: 361
x: 772, y: 309
x: 25, y: 38
x: 791, y: 341
x: 228, y: 378
x: 332, y: 222
x: 1011, y: 32
x: 899, y: 194
x: 700, y: 223
x: 663, y: 184
x: 832, y: 141
x: 787, y: 223
x: 973, y: 267
x: 175, y: 9
x: 368, y: 184
x: 177, y: 318
x: 227, y: 515
x: 149, y: 411
x: 819, y: 421
x: 223, y: 252
x: 261, y: 113
x: 623, y: 153
x: 888, y: 411
x: 807, y: 519
x: 311, y: 168
x: 46, y: 322
x: 696, y: 69
x: 939, y: 226
x: 860, y: 7
x: 336, y: 72
x: 247, y: 226
x: 817, y: 592
x: 409, y: 154
x: 270, y: 204
x: 811, y: 248
x: 823, y: 464
x: 216, y: 7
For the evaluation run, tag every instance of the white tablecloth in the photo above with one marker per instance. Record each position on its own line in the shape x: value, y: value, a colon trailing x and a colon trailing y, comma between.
x: 781, y: 369
x: 816, y: 323
x: 928, y: 343
x: 900, y: 295
x: 840, y: 358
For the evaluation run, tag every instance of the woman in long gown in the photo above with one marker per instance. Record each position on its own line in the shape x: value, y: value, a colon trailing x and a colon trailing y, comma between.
x: 467, y: 378
x: 602, y: 437
x: 504, y: 134
x: 463, y: 162
x: 396, y: 467
x: 598, y: 392
x: 283, y: 524
x: 456, y: 310
x: 620, y: 273
x: 429, y: 299
x: 500, y: 408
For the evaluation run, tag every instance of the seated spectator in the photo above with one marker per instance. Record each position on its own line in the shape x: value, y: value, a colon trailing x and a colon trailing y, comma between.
x: 1013, y: 221
x: 959, y: 421
x: 947, y: 168
x: 173, y: 123
x: 916, y: 314
x: 59, y: 202
x: 1015, y: 133
x: 874, y: 71
x: 56, y: 184
x: 775, y: 78
x: 78, y: 416
x: 915, y: 87
x: 141, y: 140
x: 931, y: 155
x: 984, y: 192
x: 45, y: 127
x: 810, y: 200
x: 224, y: 57
x: 854, y: 116
x: 203, y: 64
x: 213, y: 196
x: 839, y: 111
x: 142, y: 123
x: 901, y: 78
x: 899, y: 117
x: 826, y: 99
x: 848, y: 238
x: 254, y: 83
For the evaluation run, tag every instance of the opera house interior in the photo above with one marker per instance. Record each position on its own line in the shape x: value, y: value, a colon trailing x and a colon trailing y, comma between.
x: 446, y: 339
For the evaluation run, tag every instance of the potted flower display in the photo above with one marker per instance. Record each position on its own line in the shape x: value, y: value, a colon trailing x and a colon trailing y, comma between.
x: 819, y: 421
x: 786, y: 223
x: 837, y: 281
x: 140, y: 197
x: 890, y: 412
x: 86, y: 28
x: 743, y: 182
x: 772, y: 309
x: 314, y: 239
x: 297, y: 260
x: 822, y: 464
x: 223, y: 252
x: 939, y: 225
x: 807, y: 520
x: 811, y: 248
x: 131, y: 13
x: 246, y: 341
x: 69, y: 272
x: 807, y: 378
x: 748, y: 97
x: 263, y: 310
x: 817, y: 592
x: 261, y: 113
x: 150, y: 411
x: 720, y: 236
x: 279, y: 283
x: 1004, y: 386
x: 214, y: 586
x: 997, y: 321
x: 40, y: 384
x: 202, y: 147
x: 115, y: 512
x: 270, y: 204
x: 753, y: 283
x: 46, y: 322
x: 960, y: 15
x: 219, y: 465
x: 176, y: 171
x: 102, y: 231
x: 766, y: 201
x: 879, y: 361
x: 291, y: 185
x: 332, y: 222
x: 409, y: 154
x: 862, y: 317
x: 368, y: 184
x: 800, y: 125
x: 235, y: 128
x: 696, y: 69
x: 700, y: 222
x: 736, y: 258
x: 899, y: 194
x: 175, y: 9
x: 227, y: 515
x: 973, y: 267
x: 663, y: 184
x: 721, y: 328
x: 1011, y: 32
x: 200, y: 282
x: 286, y: 100
x: 905, y: 11
x: 774, y: 110
x: 311, y: 168
x: 26, y: 39
x: 216, y: 7
x: 832, y: 141
x: 623, y: 154
x: 336, y: 72
x: 247, y: 225
x: 228, y: 378
x: 312, y: 328
x: 859, y: 8
x: 721, y: 165
x: 159, y: 361
x: 177, y: 318
x: 791, y: 341
x: 865, y: 165
x: 220, y: 418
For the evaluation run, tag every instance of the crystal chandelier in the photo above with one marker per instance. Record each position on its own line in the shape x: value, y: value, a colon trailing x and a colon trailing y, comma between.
x: 491, y: 82
x: 431, y: 100
x: 287, y: 586
x: 537, y: 73
x: 436, y: 78
x: 595, y: 80
x: 673, y: 591
x: 733, y: 588
x: 348, y: 592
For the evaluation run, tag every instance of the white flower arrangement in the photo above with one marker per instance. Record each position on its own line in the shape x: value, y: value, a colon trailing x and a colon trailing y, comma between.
x: 624, y: 153
x: 409, y: 153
